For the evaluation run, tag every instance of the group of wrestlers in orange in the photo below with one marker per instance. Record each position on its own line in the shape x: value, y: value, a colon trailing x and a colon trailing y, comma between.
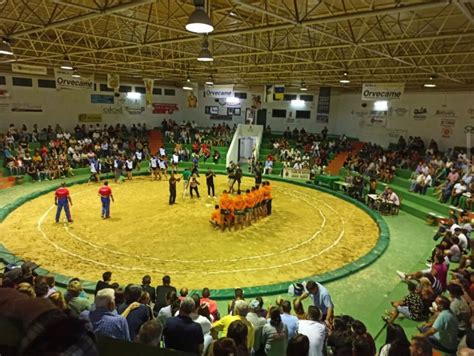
x: 243, y: 208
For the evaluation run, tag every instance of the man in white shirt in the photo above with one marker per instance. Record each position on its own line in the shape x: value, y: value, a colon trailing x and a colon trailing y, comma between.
x: 463, y: 241
x: 393, y: 197
x: 315, y: 330
x: 458, y: 190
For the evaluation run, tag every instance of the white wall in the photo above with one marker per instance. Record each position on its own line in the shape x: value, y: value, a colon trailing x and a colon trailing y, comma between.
x: 64, y: 107
x: 347, y: 113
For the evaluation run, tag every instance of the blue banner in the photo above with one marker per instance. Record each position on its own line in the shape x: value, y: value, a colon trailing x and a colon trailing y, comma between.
x: 324, y: 100
x: 102, y: 99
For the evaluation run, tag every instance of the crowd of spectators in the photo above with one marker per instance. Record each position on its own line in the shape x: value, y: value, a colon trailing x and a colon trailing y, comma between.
x: 165, y: 317
x: 300, y: 150
x: 441, y: 296
x: 449, y: 174
x: 58, y: 151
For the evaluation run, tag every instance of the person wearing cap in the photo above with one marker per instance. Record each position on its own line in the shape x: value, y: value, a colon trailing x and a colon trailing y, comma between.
x: 321, y: 299
x: 257, y: 322
x: 62, y: 199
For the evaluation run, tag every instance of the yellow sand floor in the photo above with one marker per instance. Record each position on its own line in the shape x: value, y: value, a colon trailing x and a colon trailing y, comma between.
x: 310, y: 232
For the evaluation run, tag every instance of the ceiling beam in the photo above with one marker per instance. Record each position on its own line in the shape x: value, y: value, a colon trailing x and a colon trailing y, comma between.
x: 80, y: 18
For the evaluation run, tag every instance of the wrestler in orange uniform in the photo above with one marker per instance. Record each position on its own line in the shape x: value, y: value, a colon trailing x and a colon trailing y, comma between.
x: 248, y: 206
x: 239, y: 209
x: 227, y: 207
x: 216, y: 219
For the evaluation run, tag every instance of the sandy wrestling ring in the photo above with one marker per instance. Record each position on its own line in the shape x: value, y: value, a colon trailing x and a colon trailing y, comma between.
x: 309, y: 233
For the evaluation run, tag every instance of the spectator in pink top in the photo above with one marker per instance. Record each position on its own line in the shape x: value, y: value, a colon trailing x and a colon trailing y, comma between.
x: 440, y: 270
x: 453, y: 176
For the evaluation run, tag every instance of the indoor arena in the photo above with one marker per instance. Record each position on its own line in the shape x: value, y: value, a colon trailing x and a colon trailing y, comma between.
x: 236, y: 177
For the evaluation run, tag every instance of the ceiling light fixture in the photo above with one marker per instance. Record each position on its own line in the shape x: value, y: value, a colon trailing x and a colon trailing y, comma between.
x: 187, y: 85
x: 303, y: 86
x: 5, y: 47
x: 67, y: 65
x: 345, y: 79
x: 75, y: 73
x: 210, y: 80
x: 199, y: 21
x: 430, y: 84
x: 205, y: 55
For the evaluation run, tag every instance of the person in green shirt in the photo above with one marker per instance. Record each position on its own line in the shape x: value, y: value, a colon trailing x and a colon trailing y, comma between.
x: 186, y: 177
x: 443, y: 334
x: 76, y: 303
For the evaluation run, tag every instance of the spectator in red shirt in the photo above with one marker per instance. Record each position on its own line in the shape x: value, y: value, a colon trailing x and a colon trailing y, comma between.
x: 106, y: 195
x: 211, y: 304
x: 62, y: 200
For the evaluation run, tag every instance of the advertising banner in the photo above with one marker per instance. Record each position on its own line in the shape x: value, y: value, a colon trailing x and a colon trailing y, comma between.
x: 279, y: 91
x: 164, y: 108
x: 90, y: 117
x: 382, y: 91
x: 219, y: 91
x: 324, y: 100
x: 149, y: 90
x: 4, y: 94
x: 191, y: 96
x: 65, y: 80
x: 296, y: 173
x: 29, y: 69
x: 102, y: 99
x: 377, y: 118
x: 26, y: 107
x: 113, y: 81
x: 447, y: 126
x: 420, y: 113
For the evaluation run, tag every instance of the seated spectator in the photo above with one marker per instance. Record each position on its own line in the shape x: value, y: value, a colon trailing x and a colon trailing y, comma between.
x: 104, y: 283
x: 76, y: 303
x: 181, y: 333
x: 241, y: 309
x: 275, y: 334
x: 396, y: 342
x: 238, y: 332
x: 411, y: 306
x: 146, y: 286
x: 150, y: 333
x: 211, y: 304
x: 225, y: 346
x: 298, y: 346
x: 105, y: 319
x: 443, y: 333
x: 420, y: 347
x: 138, y: 316
x: 161, y: 293
x: 258, y: 323
x: 315, y: 330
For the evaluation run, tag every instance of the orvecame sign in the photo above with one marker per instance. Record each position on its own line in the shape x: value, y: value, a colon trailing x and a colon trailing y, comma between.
x: 382, y: 91
x: 65, y: 80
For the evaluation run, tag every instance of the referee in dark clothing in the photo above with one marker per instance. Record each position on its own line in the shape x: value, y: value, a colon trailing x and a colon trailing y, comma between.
x: 210, y: 183
x: 173, y: 181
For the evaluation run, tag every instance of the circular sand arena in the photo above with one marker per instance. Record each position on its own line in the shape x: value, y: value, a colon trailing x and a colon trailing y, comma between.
x: 309, y: 232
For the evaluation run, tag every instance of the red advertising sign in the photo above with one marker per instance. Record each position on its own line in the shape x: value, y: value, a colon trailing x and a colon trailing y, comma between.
x: 163, y: 108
